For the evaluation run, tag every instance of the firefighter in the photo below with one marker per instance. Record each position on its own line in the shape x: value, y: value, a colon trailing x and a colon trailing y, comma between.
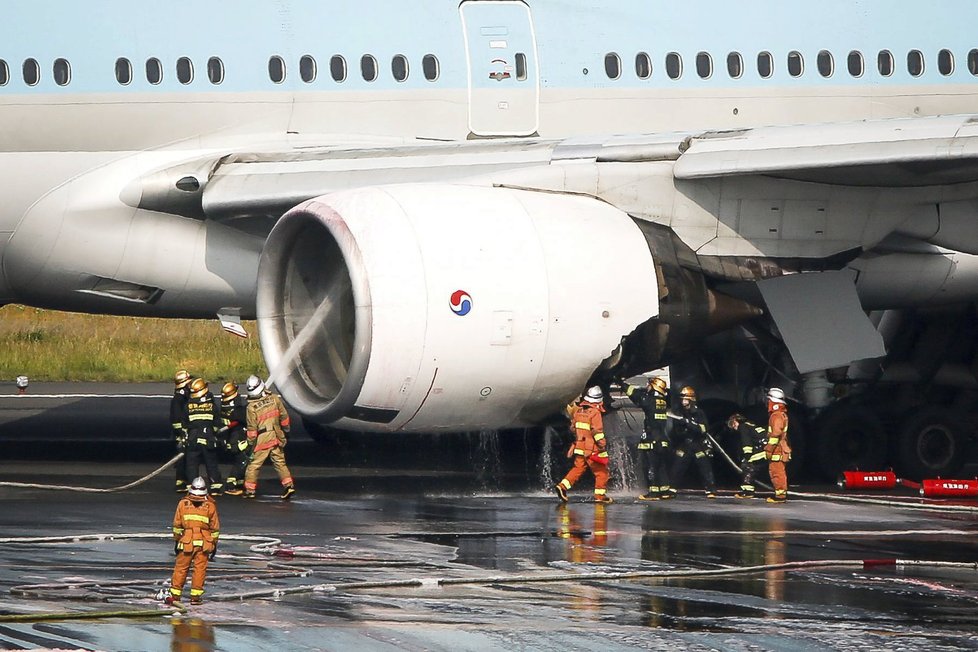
x: 203, y: 422
x: 778, y: 450
x: 753, y: 438
x: 653, y: 446
x: 196, y: 529
x: 267, y: 426
x: 690, y: 431
x: 589, y: 449
x: 178, y: 423
x: 234, y: 409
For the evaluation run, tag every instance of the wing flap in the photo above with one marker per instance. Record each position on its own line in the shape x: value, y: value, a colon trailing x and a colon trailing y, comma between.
x: 812, y: 310
x: 888, y: 153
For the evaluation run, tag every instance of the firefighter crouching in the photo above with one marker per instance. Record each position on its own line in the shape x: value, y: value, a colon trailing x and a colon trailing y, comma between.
x: 693, y: 442
x: 234, y: 408
x: 777, y: 449
x: 653, y: 447
x: 589, y: 449
x: 267, y: 426
x: 203, y: 422
x: 196, y: 528
x: 753, y: 439
x: 178, y: 424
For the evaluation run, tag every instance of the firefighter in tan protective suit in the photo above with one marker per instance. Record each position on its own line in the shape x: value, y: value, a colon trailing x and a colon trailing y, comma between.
x: 196, y: 529
x: 267, y: 427
x: 589, y: 449
x: 778, y: 450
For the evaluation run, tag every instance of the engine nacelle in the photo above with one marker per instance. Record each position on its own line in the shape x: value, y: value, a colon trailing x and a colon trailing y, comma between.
x: 446, y: 307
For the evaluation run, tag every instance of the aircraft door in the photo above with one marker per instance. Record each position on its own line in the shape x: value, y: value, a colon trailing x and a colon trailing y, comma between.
x: 501, y: 49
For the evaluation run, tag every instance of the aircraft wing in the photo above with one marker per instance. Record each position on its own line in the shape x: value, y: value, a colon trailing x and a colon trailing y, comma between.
x: 884, y: 153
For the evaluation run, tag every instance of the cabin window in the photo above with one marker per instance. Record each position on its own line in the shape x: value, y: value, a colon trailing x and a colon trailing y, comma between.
x: 154, y: 71
x: 765, y: 64
x: 4, y: 73
x: 123, y: 71
x: 215, y: 70
x: 337, y: 68
x: 884, y: 63
x: 430, y: 67
x: 825, y: 63
x: 973, y: 62
x: 735, y: 65
x: 520, y: 66
x: 796, y: 64
x: 368, y: 68
x: 855, y: 63
x: 945, y: 62
x: 185, y: 70
x: 674, y: 65
x: 276, y: 69
x: 62, y: 72
x: 32, y: 72
x: 915, y: 63
x: 399, y: 67
x: 704, y: 65
x: 307, y: 69
x: 612, y: 65
x: 643, y: 65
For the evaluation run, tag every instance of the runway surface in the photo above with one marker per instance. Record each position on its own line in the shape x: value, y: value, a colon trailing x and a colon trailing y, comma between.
x: 438, y: 559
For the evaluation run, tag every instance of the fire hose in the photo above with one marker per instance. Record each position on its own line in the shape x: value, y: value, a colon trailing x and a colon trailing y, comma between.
x: 956, y: 487
x: 28, y: 485
x: 273, y: 546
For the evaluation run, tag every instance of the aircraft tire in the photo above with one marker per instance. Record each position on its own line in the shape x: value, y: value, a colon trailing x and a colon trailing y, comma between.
x: 848, y: 437
x: 931, y: 444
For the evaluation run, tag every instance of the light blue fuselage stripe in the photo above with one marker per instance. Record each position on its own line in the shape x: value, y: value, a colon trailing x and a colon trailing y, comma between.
x: 571, y: 36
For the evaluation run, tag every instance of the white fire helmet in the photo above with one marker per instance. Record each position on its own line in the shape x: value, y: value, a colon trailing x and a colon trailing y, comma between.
x: 775, y: 395
x: 255, y: 387
x: 198, y: 487
x: 594, y: 395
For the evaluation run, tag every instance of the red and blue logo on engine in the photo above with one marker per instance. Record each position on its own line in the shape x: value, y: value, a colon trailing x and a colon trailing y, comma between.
x: 460, y: 303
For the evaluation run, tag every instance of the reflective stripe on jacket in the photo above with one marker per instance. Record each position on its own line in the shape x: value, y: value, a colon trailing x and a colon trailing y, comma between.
x: 777, y: 447
x: 588, y: 427
x: 196, y: 525
x: 267, y: 421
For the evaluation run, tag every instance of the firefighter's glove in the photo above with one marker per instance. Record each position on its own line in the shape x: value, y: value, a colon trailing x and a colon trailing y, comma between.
x: 176, y: 547
x: 243, y: 445
x: 282, y: 442
x: 213, y: 553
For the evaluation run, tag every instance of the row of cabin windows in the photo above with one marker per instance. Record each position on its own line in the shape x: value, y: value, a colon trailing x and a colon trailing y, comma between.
x: 369, y: 70
x: 824, y: 63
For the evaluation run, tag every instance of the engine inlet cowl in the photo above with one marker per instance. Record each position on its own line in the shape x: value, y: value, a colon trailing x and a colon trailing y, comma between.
x: 441, y: 307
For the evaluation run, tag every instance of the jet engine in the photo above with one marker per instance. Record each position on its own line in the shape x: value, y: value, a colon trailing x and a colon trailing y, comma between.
x: 424, y: 307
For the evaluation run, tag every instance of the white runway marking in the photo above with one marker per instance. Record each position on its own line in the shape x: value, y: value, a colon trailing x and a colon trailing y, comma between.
x: 27, y: 396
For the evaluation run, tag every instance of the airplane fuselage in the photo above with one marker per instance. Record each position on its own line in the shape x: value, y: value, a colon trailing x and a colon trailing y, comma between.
x: 95, y: 95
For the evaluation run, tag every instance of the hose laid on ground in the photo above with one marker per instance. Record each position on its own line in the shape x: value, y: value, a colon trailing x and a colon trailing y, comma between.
x: 888, y: 503
x: 27, y: 485
x: 171, y: 610
x: 854, y: 499
x: 273, y: 546
x: 577, y: 577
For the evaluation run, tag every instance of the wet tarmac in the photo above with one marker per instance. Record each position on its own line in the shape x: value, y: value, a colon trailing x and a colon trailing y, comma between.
x: 404, y: 558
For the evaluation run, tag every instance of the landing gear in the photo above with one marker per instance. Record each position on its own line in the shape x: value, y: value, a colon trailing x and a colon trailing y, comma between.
x: 848, y: 437
x: 931, y: 444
